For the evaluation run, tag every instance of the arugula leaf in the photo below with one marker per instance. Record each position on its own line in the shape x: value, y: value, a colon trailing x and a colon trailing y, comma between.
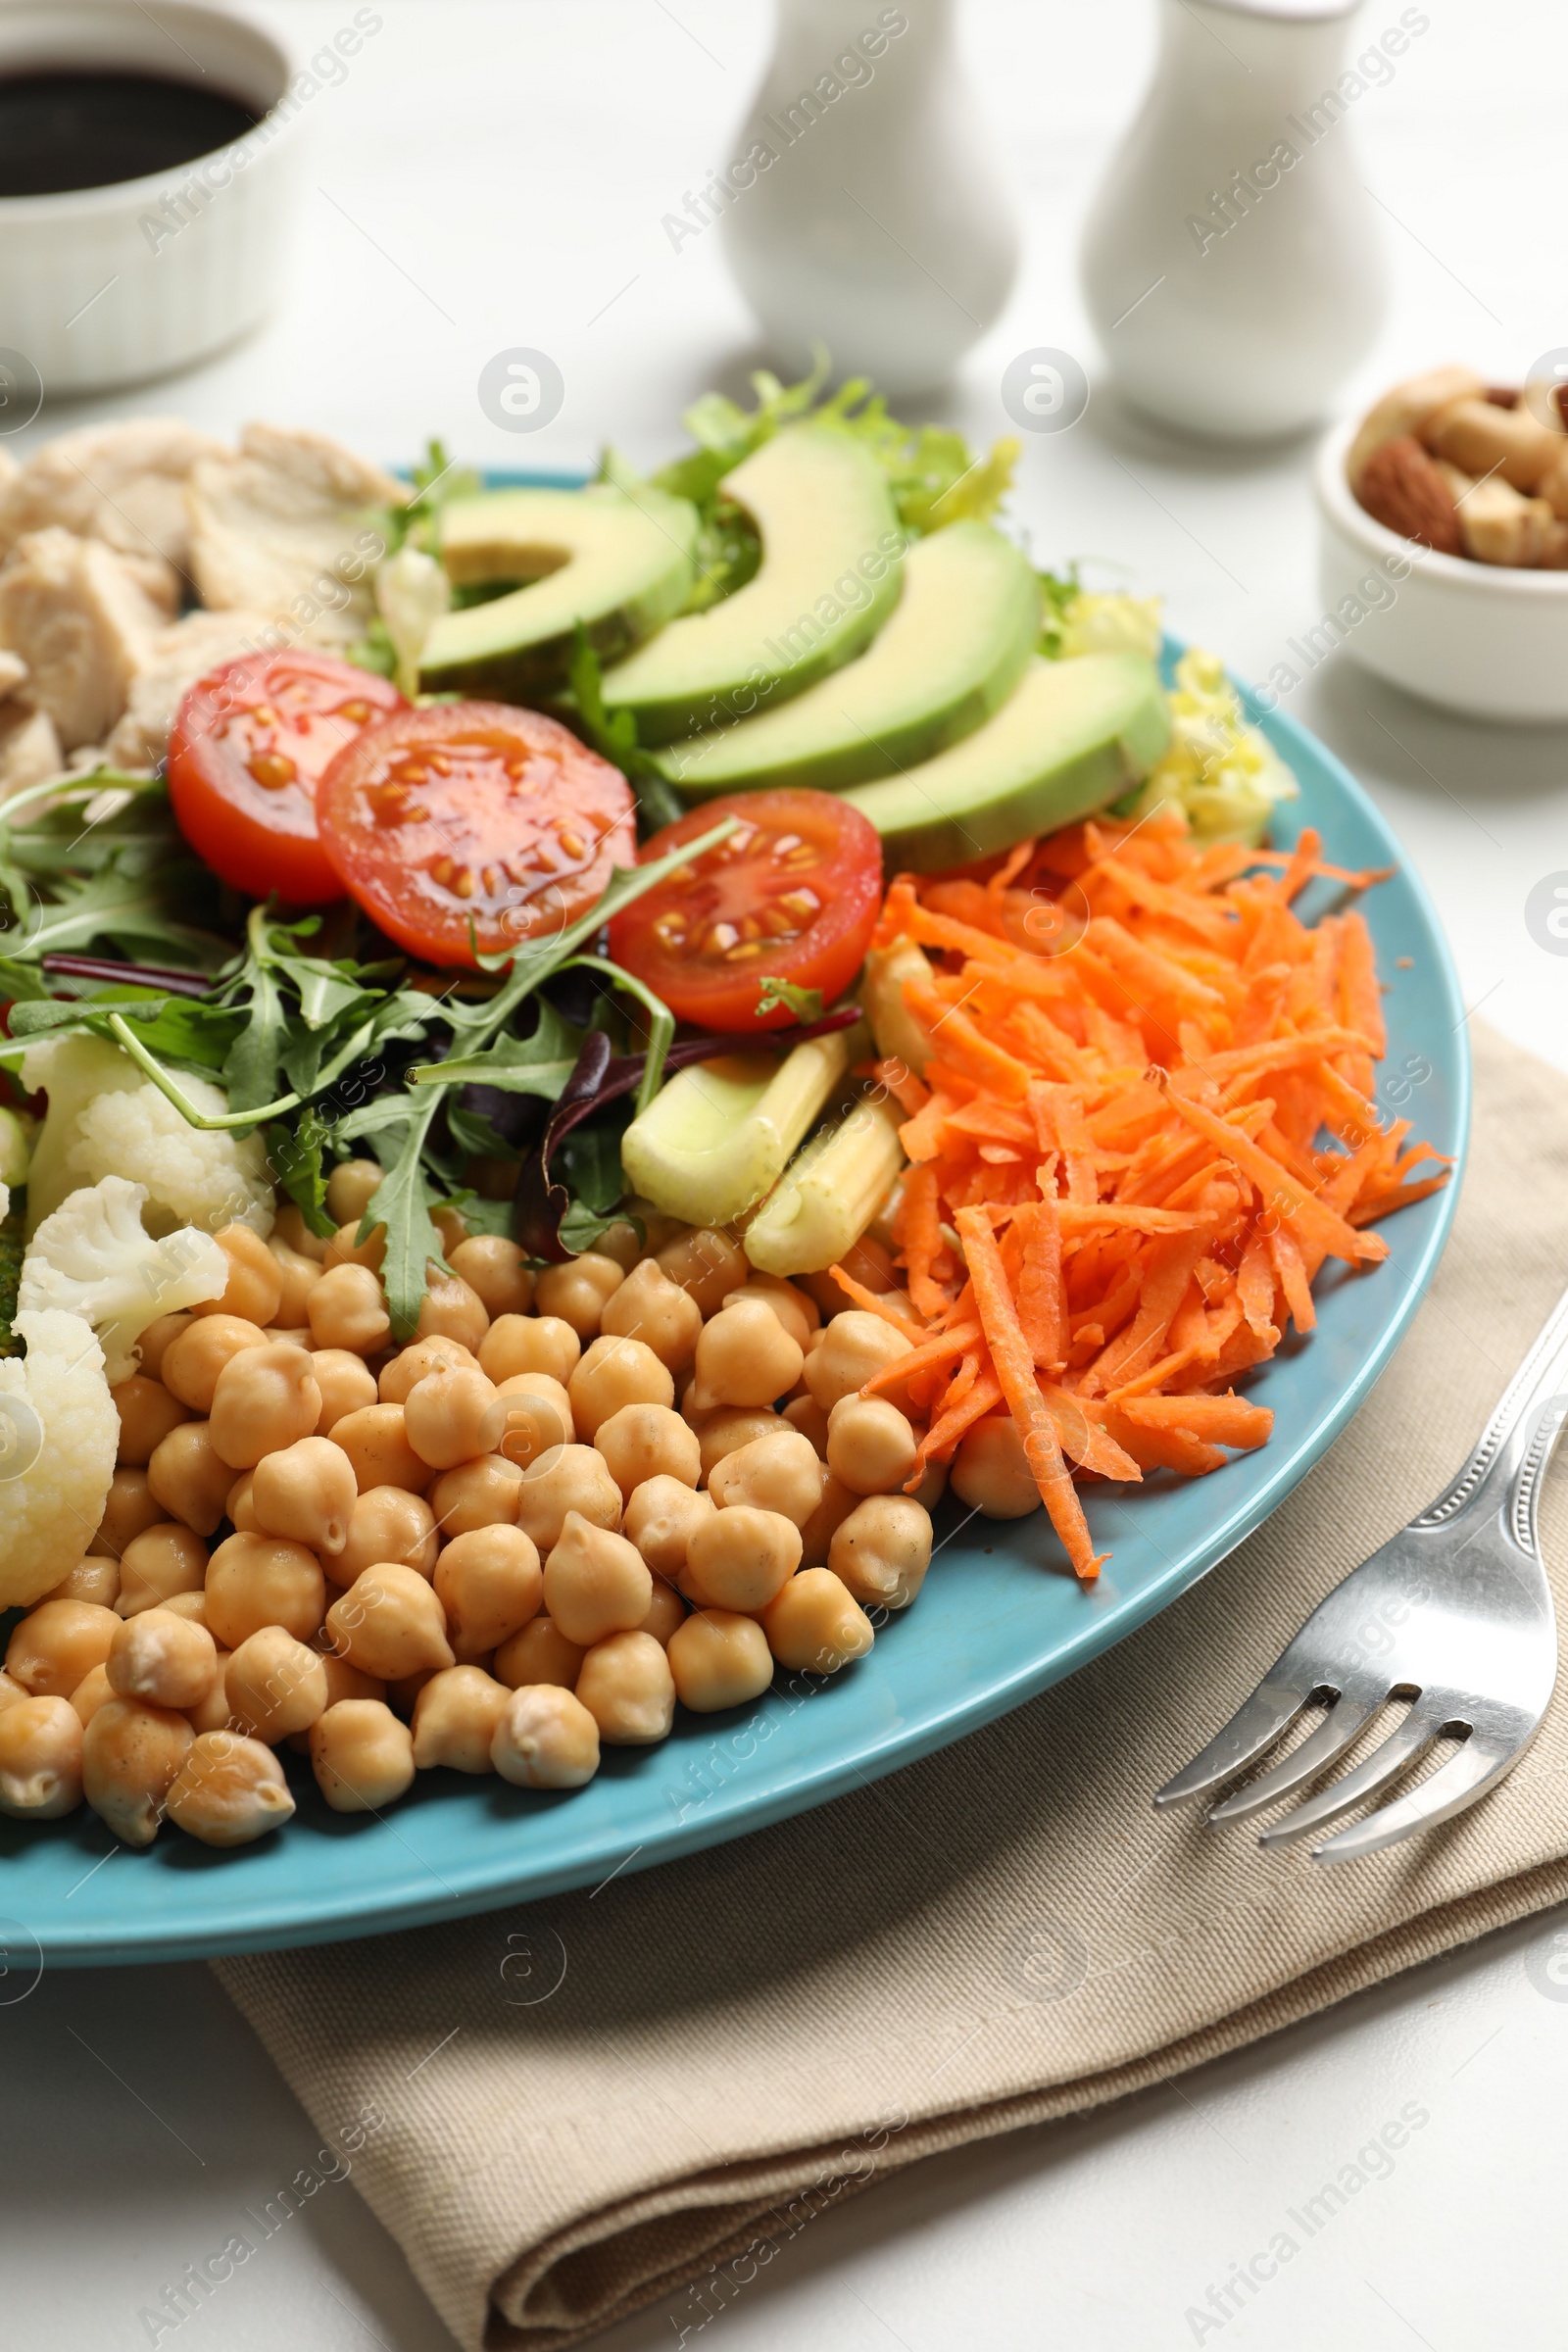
x: 615, y: 739
x: 401, y: 1203
x: 805, y: 1002
x: 295, y: 1159
x: 539, y: 1065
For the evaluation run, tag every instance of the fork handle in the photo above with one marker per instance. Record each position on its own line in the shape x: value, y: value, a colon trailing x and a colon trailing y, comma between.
x: 1513, y: 1451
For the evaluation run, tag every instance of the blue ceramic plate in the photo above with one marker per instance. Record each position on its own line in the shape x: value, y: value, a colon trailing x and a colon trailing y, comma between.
x: 992, y: 1626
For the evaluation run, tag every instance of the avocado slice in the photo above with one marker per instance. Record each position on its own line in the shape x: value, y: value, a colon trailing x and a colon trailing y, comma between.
x: 621, y: 565
x: 956, y: 647
x: 829, y: 577
x: 1074, y: 735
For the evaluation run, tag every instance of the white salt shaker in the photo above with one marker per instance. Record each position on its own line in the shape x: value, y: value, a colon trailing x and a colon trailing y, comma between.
x: 864, y: 210
x: 1233, y: 261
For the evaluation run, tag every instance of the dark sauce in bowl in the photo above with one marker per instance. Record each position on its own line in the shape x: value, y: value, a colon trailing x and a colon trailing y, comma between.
x: 61, y: 131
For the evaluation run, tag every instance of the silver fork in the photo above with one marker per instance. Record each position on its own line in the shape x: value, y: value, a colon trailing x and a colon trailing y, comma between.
x: 1453, y: 1612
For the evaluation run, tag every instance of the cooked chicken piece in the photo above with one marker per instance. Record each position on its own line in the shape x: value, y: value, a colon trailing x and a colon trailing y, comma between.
x: 285, y: 529
x: 122, y: 483
x: 29, y: 748
x: 179, y: 655
x: 13, y: 673
x: 76, y: 614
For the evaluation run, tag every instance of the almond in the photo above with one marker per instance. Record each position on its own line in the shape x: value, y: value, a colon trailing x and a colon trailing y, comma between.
x: 1401, y: 488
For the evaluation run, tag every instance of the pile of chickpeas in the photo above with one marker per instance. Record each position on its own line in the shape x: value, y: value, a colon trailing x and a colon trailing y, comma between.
x: 496, y: 1548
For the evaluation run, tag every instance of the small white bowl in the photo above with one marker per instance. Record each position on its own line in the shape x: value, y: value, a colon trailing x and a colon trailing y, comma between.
x: 108, y: 286
x: 1483, y: 638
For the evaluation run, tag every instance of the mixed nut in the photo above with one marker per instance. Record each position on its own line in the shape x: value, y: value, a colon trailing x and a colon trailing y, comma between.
x: 1468, y: 469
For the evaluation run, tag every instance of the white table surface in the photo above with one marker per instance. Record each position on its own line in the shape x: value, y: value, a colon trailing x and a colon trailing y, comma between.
x: 492, y: 173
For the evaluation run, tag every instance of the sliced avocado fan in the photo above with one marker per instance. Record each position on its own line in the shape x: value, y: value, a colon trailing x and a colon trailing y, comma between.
x: 1074, y: 735
x: 621, y: 565
x: 830, y: 574
x: 954, y: 649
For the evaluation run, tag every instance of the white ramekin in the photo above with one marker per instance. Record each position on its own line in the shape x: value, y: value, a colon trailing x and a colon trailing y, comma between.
x: 1482, y: 638
x: 108, y: 286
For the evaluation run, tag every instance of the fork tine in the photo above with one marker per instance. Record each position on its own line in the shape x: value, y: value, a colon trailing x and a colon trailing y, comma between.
x: 1251, y: 1730
x: 1337, y: 1730
x: 1463, y: 1778
x: 1395, y: 1754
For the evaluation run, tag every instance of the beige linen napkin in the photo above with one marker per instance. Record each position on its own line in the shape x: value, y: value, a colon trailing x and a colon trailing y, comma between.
x: 999, y: 1935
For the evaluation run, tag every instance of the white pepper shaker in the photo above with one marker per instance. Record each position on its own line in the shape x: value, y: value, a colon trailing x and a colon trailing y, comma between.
x: 1233, y: 261
x: 865, y: 211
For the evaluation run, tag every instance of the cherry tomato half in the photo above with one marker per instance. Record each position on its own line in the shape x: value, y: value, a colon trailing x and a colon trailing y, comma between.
x: 791, y: 895
x: 473, y: 812
x: 247, y: 750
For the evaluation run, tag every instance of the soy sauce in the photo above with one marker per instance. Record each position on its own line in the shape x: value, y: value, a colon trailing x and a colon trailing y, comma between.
x: 89, y: 130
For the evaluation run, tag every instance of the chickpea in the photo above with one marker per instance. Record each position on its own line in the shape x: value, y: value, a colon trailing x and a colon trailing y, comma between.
x: 991, y: 1472
x: 539, y: 1653
x: 40, y: 1759
x: 129, y: 1507
x: 456, y: 1717
x: 256, y: 1580
x: 348, y: 1309
x: 798, y: 1315
x: 490, y: 1584
x: 741, y: 1558
x: 642, y: 1442
x: 209, y: 1714
x: 720, y: 1659
x: 650, y: 1307
x: 870, y: 1445
x: 595, y: 1583
x: 229, y: 1790
x: 777, y: 1473
x: 12, y: 1692
x: 389, y: 1623
x: 351, y: 1187
x: 343, y: 1681
x: 573, y: 1478
x: 933, y: 1485
x: 263, y: 1400
x: 706, y: 1265
x: 346, y: 1382
x: 857, y: 1347
x: 451, y: 1415
x: 451, y: 1310
x: 157, y: 1339
x: 160, y: 1562
x: 536, y: 1418
x: 578, y: 1291
x: 661, y: 1517
x: 480, y: 1493
x: 388, y: 1523
x: 131, y: 1754
x: 807, y: 1415
x: 192, y: 1605
x: 745, y: 1356
x: 725, y: 1433
x: 92, y: 1691
x: 816, y: 1536
x: 881, y: 1551
x: 147, y: 1413
x: 95, y: 1579
x: 362, y: 1756
x: 275, y: 1684
x: 195, y: 1356
x: 57, y: 1644
x: 815, y: 1625
x: 665, y: 1612
x: 410, y: 1364
x: 546, y: 1738
x: 254, y: 1285
x: 300, y: 1275
x: 345, y: 1248
x: 628, y: 1690
x: 290, y: 1227
x: 529, y: 1344
x: 619, y: 1241
x: 291, y: 1335
x: 159, y: 1656
x: 614, y: 1373
x: 189, y: 1478
x: 307, y: 1492
x: 375, y: 1440
x: 240, y: 1509
x: 496, y: 1271
x: 869, y: 1261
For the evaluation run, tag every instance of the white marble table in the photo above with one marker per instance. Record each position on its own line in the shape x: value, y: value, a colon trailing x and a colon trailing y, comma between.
x: 491, y: 173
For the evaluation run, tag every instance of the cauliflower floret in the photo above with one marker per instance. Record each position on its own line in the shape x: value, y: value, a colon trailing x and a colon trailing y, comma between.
x: 59, y: 1434
x: 93, y: 1257
x: 1224, y: 773
x: 106, y: 1118
x: 1111, y: 625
